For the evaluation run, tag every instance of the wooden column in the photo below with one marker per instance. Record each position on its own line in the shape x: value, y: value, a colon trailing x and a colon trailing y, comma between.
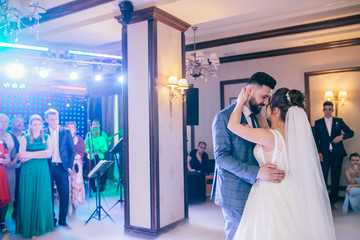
x: 154, y: 149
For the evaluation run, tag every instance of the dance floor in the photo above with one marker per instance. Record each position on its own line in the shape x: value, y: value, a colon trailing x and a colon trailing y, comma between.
x: 205, y: 223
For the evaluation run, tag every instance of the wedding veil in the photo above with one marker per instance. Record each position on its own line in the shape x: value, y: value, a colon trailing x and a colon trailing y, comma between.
x: 313, y: 215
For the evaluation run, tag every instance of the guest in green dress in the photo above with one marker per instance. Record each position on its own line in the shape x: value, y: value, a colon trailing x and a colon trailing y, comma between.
x: 35, y: 211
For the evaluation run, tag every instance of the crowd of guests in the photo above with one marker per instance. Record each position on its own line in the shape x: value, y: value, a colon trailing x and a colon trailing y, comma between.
x: 31, y: 162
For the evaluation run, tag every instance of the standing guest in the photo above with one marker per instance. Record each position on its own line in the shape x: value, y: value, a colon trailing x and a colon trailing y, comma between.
x: 17, y: 126
x: 11, y: 143
x: 61, y: 162
x: 34, y: 215
x: 352, y: 198
x: 76, y: 181
x: 4, y: 188
x: 329, y: 135
x: 198, y: 158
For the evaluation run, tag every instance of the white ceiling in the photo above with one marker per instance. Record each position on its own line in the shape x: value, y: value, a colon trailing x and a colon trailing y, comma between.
x: 95, y: 29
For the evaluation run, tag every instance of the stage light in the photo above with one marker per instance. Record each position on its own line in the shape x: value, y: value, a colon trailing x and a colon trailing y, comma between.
x: 20, y: 46
x: 15, y: 70
x: 98, y: 77
x: 73, y: 75
x: 76, y: 52
x: 43, y: 72
x: 119, y: 75
x: 97, y: 71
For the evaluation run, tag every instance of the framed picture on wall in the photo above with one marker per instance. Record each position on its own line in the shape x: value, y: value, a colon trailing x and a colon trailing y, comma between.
x: 232, y: 100
x: 229, y: 91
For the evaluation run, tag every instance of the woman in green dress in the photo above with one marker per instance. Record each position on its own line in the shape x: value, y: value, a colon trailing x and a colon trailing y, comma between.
x: 35, y: 211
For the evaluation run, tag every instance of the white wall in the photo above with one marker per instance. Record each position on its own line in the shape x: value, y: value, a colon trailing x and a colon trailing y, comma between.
x: 288, y: 70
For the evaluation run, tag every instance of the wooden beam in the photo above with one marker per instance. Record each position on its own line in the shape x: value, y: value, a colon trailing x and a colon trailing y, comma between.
x: 315, y: 26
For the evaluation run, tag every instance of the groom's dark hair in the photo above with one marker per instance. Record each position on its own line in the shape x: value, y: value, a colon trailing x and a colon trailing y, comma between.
x: 261, y: 78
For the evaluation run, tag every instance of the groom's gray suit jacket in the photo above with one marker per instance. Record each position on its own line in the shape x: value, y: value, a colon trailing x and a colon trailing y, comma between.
x: 235, y: 166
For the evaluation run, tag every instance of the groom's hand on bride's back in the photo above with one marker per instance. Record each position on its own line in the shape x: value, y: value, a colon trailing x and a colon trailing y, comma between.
x: 269, y: 173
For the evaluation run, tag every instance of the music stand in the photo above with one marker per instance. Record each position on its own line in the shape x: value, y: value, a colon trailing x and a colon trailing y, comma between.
x: 118, y: 148
x: 97, y: 171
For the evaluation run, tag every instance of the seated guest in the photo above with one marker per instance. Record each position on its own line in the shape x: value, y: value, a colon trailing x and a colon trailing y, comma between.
x: 197, y: 158
x: 4, y: 188
x: 352, y: 198
x: 76, y: 181
x: 34, y: 206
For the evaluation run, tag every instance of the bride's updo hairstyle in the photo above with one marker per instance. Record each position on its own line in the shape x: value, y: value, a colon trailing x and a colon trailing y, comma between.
x: 284, y: 98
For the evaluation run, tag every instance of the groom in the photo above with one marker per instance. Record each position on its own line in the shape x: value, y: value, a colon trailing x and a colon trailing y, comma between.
x: 236, y: 169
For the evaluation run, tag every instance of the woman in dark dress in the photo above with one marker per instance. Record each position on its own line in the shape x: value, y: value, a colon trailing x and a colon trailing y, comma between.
x: 198, y: 158
x: 35, y: 211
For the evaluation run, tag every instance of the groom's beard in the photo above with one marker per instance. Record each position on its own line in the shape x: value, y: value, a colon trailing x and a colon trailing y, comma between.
x: 254, y: 107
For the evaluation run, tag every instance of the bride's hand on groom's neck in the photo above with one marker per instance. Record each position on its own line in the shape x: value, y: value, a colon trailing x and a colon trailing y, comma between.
x: 269, y: 173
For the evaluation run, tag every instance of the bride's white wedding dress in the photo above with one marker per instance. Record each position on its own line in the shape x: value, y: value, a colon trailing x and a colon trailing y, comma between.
x: 298, y: 208
x: 270, y: 209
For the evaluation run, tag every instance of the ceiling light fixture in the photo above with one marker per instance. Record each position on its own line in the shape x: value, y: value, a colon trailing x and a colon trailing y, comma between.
x: 198, y: 65
x: 16, y: 15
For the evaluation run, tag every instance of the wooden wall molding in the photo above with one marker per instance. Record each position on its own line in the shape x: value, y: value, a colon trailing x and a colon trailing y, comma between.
x: 158, y: 14
x: 292, y: 50
x: 70, y: 8
x: 315, y: 26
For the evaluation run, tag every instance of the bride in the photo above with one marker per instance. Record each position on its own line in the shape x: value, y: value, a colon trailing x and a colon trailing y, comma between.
x: 298, y: 207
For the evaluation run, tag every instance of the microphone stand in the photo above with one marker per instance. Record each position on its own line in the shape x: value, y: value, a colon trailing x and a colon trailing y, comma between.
x: 91, y: 154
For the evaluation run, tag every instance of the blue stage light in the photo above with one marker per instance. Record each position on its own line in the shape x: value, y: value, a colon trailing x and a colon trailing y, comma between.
x: 76, y: 52
x: 20, y: 46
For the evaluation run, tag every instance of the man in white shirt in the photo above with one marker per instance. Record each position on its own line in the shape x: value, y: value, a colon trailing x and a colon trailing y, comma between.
x: 61, y: 162
x: 329, y: 135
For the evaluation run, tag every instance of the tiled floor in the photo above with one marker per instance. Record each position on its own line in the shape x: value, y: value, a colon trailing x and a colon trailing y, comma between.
x: 205, y: 223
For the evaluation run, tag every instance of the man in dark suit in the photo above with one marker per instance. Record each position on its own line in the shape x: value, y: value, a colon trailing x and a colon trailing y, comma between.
x: 61, y: 162
x: 329, y: 135
x: 236, y: 168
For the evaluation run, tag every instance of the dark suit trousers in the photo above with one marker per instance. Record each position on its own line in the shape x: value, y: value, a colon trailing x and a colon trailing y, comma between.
x: 61, y: 178
x: 334, y: 163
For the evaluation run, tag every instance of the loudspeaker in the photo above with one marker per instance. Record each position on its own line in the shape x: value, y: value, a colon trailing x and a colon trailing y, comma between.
x: 192, y: 106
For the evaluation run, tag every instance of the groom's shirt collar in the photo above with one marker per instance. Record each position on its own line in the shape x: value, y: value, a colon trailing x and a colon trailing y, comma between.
x: 246, y: 111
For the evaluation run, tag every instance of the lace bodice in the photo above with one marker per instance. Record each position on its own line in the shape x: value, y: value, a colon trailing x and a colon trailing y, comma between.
x: 278, y: 156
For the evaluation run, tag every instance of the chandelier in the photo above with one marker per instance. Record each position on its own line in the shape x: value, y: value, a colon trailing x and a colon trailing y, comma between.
x: 198, y: 65
x: 19, y: 14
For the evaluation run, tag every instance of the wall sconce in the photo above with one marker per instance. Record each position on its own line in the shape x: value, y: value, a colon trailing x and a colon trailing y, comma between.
x: 329, y: 96
x: 173, y: 83
x: 183, y: 85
